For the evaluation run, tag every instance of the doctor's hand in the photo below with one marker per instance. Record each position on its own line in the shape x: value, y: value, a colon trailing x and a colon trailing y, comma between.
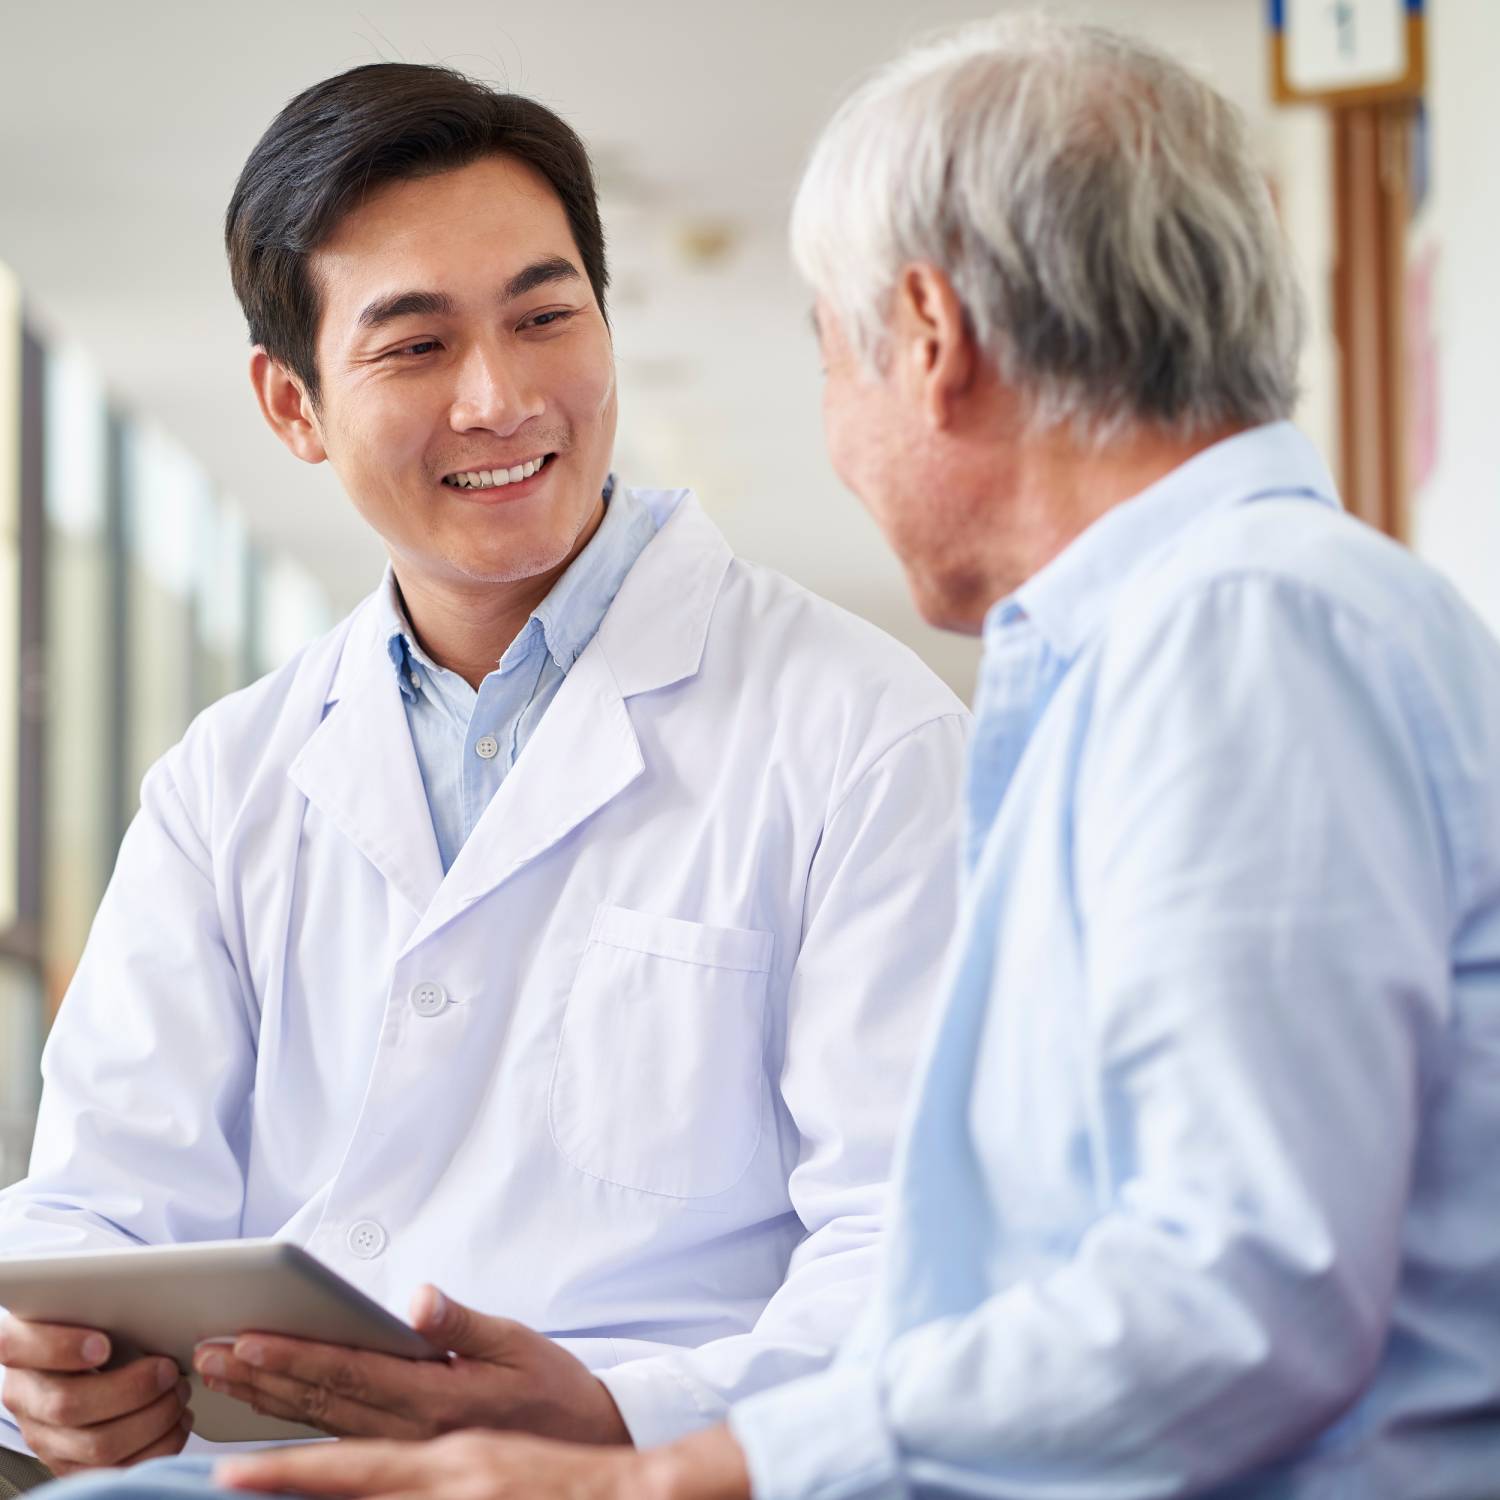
x: 77, y: 1415
x: 499, y: 1374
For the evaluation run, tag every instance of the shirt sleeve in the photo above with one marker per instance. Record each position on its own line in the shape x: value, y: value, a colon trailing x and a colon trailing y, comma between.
x: 1262, y: 915
x: 146, y: 1074
x: 881, y: 895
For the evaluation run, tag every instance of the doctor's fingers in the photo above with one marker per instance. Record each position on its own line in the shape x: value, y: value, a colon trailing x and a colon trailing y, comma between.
x: 160, y: 1428
x: 298, y: 1401
x: 93, y: 1397
x: 50, y: 1346
x: 164, y: 1447
x: 401, y: 1385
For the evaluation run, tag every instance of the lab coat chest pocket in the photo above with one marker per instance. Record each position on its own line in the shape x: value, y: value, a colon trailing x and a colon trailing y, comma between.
x: 659, y: 1082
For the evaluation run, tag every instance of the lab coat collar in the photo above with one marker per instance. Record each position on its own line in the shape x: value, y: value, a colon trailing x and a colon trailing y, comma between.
x: 655, y: 632
x: 360, y: 770
x: 359, y: 767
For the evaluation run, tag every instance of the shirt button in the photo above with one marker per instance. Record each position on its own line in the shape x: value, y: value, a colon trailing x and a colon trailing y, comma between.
x: 428, y: 998
x: 366, y: 1239
x: 487, y: 747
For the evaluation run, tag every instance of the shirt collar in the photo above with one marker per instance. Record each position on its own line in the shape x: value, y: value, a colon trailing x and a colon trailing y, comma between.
x: 568, y: 618
x: 400, y: 639
x: 1069, y: 598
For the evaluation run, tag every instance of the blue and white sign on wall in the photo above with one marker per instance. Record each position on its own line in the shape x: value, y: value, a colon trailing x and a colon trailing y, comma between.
x: 1347, y: 51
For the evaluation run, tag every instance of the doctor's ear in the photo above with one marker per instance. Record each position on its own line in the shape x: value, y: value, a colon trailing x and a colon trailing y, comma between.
x: 286, y: 406
x: 934, y: 342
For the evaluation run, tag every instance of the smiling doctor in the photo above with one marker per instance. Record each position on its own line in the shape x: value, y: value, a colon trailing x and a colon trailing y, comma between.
x: 558, y: 929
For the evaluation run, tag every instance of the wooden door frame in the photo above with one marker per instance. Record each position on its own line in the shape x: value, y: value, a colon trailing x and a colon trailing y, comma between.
x: 1371, y: 156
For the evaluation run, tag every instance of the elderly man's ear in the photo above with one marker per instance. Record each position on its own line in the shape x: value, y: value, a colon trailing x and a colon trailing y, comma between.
x: 934, y: 342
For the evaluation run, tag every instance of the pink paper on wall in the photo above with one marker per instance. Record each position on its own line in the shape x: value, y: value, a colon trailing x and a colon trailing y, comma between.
x: 1421, y: 369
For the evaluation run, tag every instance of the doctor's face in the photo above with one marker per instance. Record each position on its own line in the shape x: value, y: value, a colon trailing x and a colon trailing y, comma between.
x: 467, y: 378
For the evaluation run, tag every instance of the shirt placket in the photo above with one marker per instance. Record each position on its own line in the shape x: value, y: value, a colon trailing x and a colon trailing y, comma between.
x: 1018, y: 676
x: 490, y: 740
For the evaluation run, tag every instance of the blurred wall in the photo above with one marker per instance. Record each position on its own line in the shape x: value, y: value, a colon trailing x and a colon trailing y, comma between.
x: 1455, y: 317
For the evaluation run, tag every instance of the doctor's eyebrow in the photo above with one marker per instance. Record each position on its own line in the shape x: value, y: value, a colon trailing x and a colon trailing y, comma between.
x: 416, y: 304
x: 539, y: 273
x: 406, y: 305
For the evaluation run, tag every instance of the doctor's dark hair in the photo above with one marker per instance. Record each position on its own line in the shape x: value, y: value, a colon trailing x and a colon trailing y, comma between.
x: 341, y: 139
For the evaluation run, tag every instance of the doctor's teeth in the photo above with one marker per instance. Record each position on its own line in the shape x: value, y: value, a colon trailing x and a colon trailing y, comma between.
x: 486, y: 479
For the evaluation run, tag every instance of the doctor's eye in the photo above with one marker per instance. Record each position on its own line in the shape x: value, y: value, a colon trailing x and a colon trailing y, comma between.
x: 412, y: 351
x: 552, y: 318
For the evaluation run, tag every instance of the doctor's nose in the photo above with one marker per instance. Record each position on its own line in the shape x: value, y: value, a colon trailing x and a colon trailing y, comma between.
x: 492, y: 395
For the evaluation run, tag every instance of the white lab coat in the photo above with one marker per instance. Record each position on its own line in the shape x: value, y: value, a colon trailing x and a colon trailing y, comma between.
x: 630, y: 1073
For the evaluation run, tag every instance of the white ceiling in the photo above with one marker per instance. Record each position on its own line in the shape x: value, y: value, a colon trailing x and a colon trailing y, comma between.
x: 123, y: 127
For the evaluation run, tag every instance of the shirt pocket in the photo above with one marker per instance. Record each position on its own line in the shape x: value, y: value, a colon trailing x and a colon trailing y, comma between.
x: 659, y: 1081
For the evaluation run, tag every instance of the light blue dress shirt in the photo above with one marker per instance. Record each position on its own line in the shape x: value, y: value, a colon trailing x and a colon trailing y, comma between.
x: 466, y: 741
x: 1200, y: 1194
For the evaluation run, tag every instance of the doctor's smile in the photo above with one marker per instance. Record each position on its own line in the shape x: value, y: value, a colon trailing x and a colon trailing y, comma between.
x: 497, y: 477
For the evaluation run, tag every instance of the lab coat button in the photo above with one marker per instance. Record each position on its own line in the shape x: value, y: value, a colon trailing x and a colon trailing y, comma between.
x: 486, y: 747
x: 366, y: 1239
x: 428, y: 998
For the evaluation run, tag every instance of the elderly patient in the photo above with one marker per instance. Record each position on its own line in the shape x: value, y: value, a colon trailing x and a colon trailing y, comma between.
x: 1197, y: 1195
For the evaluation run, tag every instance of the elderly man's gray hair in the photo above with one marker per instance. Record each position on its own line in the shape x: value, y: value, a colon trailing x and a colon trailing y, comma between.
x: 1097, y: 208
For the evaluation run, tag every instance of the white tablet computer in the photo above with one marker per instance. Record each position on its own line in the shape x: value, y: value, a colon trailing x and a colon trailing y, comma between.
x: 168, y: 1299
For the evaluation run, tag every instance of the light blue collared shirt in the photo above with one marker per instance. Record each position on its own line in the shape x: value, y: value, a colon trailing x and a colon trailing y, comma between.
x: 1199, y: 1191
x: 466, y: 741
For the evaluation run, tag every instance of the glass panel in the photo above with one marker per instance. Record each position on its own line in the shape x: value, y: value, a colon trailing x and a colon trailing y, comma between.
x: 166, y: 498
x: 223, y: 604
x: 291, y: 611
x: 80, y: 754
x: 20, y: 1044
x: 10, y: 586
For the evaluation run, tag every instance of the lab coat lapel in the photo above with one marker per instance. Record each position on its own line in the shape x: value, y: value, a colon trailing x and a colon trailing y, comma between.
x: 583, y: 755
x: 360, y: 771
x: 585, y: 752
